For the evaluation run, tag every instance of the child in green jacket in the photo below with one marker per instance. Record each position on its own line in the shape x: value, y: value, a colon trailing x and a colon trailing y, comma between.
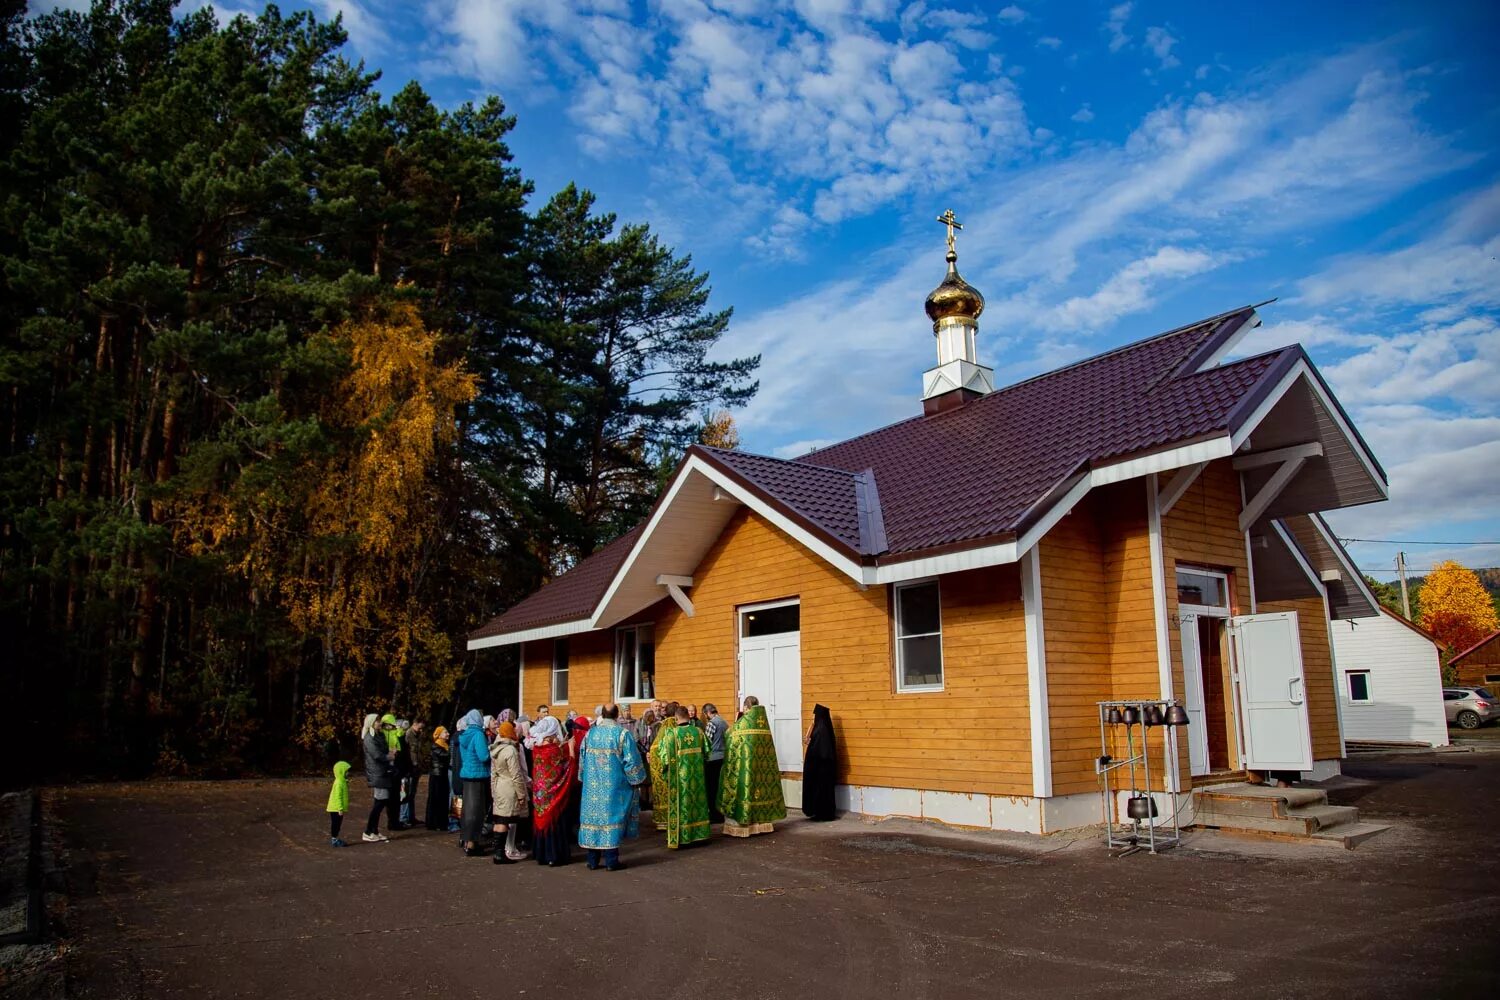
x: 338, y: 802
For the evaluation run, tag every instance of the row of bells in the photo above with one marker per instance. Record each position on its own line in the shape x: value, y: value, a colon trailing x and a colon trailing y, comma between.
x: 1175, y: 715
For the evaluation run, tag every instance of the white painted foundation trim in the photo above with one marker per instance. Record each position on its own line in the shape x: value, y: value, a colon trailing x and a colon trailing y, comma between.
x: 1036, y: 674
x: 975, y: 811
x: 1166, y: 803
x: 1322, y: 770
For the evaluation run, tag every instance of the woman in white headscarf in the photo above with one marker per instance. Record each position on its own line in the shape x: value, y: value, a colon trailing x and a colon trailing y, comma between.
x: 380, y: 773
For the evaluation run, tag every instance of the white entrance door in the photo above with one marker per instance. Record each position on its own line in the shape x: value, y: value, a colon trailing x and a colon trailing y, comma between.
x: 1273, y: 692
x: 1192, y: 696
x: 771, y: 670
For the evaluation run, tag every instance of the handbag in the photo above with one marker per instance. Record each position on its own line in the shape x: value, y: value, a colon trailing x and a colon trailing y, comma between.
x: 458, y: 807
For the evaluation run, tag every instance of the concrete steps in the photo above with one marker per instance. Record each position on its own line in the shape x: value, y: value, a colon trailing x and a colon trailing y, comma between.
x: 1301, y: 814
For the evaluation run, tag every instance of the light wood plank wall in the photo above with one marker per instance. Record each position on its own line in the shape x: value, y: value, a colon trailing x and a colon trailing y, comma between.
x: 1099, y: 618
x: 973, y: 736
x: 1317, y: 667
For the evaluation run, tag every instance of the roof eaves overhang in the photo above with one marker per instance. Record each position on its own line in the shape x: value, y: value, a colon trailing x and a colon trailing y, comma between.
x: 1293, y: 367
x: 742, y: 490
x: 555, y: 631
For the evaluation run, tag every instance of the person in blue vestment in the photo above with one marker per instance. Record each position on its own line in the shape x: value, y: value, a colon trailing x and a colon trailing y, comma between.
x: 610, y: 765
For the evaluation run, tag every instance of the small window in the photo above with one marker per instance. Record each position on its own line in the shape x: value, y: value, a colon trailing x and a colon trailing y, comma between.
x: 1359, y: 685
x: 635, y: 663
x: 559, y: 671
x: 1452, y: 695
x: 1203, y: 589
x: 919, y: 637
x: 1492, y: 678
x: 771, y: 621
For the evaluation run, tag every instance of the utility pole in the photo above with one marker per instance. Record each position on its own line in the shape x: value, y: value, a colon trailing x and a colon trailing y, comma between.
x: 1405, y: 597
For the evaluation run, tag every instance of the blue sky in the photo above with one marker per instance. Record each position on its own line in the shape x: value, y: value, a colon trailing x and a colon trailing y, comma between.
x: 1120, y: 168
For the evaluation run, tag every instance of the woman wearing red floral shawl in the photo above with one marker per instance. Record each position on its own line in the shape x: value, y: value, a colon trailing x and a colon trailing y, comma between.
x: 553, y: 767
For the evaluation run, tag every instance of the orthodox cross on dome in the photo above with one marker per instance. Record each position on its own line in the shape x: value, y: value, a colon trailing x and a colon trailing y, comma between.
x: 951, y: 221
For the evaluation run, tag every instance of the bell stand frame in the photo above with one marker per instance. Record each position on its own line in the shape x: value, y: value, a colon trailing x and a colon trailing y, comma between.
x: 1129, y: 835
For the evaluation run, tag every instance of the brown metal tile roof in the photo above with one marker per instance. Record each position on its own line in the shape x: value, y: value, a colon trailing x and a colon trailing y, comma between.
x: 981, y: 470
x: 570, y: 597
x: 978, y: 473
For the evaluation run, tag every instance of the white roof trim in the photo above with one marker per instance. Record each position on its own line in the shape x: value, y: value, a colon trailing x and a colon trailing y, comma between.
x: 542, y: 632
x: 747, y: 497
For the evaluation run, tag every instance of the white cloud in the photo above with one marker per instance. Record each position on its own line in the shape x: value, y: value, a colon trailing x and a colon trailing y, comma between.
x: 817, y: 98
x: 1160, y: 42
x: 1457, y: 266
x: 1049, y: 42
x: 1115, y: 26
x: 1083, y: 115
x: 1011, y: 14
x: 1128, y: 290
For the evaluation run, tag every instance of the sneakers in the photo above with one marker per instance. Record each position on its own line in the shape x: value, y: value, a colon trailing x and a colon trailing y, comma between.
x: 375, y: 838
x: 336, y: 842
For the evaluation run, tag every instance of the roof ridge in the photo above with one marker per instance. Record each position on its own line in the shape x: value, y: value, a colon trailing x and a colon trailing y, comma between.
x: 791, y: 461
x: 1050, y: 372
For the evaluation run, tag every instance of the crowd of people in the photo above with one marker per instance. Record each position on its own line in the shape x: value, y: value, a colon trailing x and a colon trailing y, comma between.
x: 515, y: 788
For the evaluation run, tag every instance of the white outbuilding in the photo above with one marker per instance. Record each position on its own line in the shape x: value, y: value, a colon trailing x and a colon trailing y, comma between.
x: 1390, y: 681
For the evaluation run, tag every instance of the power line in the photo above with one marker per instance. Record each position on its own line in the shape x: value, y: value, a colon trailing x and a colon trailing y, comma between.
x: 1399, y: 541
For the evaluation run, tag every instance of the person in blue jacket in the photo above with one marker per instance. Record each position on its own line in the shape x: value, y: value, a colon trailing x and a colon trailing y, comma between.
x: 474, y: 773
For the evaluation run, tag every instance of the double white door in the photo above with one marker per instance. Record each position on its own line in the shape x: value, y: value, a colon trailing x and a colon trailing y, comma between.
x: 1270, y: 692
x: 771, y: 670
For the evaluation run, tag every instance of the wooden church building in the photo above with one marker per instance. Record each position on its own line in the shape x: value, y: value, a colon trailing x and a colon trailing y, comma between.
x: 961, y: 588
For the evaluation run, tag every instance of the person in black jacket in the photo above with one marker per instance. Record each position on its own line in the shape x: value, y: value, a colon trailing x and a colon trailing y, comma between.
x: 380, y: 774
x: 438, y: 797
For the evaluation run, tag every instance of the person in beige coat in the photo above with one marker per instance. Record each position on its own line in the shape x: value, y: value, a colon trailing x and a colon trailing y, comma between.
x: 510, y: 791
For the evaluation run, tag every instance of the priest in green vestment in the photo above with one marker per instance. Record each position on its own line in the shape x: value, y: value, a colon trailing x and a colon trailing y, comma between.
x: 658, y: 767
x: 685, y: 809
x: 750, y: 787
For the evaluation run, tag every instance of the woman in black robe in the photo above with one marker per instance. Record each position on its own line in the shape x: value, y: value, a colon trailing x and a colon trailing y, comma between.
x: 820, y: 767
x: 438, y: 799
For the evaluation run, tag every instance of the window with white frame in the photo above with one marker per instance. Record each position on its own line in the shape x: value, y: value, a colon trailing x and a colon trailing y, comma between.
x: 919, y: 637
x: 635, y: 663
x: 559, y: 671
x: 1359, y: 685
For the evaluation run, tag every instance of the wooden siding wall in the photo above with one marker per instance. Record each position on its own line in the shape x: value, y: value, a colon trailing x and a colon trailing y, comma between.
x: 1473, y: 668
x: 973, y: 736
x: 1100, y: 624
x: 1203, y: 529
x: 1317, y: 667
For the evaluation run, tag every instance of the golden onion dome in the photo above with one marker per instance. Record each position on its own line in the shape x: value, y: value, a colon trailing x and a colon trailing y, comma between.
x: 954, y: 298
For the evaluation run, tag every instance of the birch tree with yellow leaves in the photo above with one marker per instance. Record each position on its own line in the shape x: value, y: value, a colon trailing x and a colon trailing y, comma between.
x: 1455, y: 607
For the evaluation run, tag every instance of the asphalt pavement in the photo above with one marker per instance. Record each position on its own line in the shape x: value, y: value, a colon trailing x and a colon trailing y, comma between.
x: 229, y: 889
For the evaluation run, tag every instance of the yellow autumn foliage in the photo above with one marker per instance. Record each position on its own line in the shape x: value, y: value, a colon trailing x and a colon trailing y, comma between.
x: 343, y: 546
x: 1455, y: 606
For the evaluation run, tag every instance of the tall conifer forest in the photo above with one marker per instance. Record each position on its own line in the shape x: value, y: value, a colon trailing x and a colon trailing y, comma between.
x: 299, y: 382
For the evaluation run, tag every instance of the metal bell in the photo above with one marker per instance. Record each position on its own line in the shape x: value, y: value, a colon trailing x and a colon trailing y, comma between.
x: 1140, y: 807
x: 1131, y: 716
x: 1153, y: 715
x: 1113, y: 716
x: 1177, y: 716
